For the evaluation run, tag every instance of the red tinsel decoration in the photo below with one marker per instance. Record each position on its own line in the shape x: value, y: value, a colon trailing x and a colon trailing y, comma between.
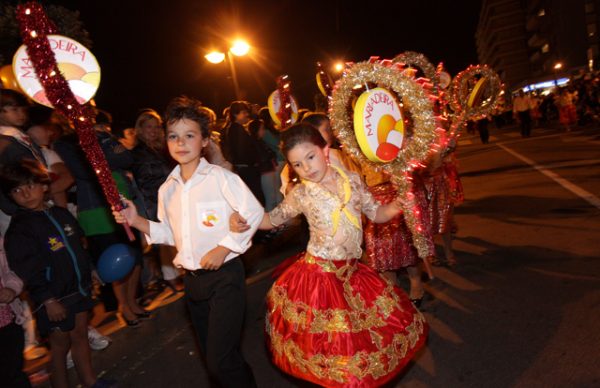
x: 325, y: 79
x: 285, y: 109
x: 35, y: 26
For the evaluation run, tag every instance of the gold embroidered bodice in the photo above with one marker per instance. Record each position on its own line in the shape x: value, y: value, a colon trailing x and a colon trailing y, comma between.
x: 320, y: 206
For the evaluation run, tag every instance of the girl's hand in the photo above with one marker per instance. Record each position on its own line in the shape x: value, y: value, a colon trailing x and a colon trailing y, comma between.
x: 7, y: 295
x: 127, y: 215
x: 56, y: 311
x: 237, y: 223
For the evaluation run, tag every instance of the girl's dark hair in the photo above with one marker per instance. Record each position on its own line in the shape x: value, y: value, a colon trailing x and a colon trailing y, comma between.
x: 9, y: 97
x: 188, y: 108
x: 22, y: 173
x: 315, y: 118
x: 300, y: 133
x: 236, y: 107
x: 254, y: 127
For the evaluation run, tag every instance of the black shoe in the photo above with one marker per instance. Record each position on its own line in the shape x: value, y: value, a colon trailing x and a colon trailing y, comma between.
x: 145, y: 315
x: 130, y: 323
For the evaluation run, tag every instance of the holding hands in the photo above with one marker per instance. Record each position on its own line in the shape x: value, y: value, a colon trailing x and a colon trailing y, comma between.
x: 7, y: 295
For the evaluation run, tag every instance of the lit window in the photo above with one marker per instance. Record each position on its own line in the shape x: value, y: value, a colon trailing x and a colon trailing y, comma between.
x: 591, y: 29
x: 545, y: 48
x: 541, y: 12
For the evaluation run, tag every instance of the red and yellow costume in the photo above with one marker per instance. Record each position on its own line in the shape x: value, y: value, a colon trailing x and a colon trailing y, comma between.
x: 330, y: 319
x: 389, y: 246
x: 444, y: 191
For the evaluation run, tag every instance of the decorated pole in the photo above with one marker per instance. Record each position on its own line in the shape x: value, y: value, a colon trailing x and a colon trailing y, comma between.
x: 283, y: 107
x: 35, y: 28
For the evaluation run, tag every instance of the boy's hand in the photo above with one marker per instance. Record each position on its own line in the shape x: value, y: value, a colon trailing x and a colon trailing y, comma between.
x: 56, y: 311
x: 127, y: 215
x: 237, y: 223
x: 7, y: 295
x: 214, y: 258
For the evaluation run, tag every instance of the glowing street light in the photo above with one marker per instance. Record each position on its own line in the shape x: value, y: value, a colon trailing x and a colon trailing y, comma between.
x: 338, y: 67
x: 557, y: 67
x: 215, y: 57
x: 240, y: 48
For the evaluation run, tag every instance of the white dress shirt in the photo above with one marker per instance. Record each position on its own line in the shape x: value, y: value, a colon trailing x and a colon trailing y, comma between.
x: 194, y: 215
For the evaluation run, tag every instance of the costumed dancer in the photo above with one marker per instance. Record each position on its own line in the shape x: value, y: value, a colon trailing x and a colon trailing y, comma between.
x: 444, y: 192
x: 332, y: 320
x: 389, y: 246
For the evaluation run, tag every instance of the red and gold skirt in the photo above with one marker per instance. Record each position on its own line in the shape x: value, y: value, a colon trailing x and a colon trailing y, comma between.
x: 444, y: 191
x: 388, y: 246
x: 340, y: 324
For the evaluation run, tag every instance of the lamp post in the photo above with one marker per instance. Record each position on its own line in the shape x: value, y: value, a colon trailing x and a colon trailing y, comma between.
x: 557, y: 67
x: 239, y: 48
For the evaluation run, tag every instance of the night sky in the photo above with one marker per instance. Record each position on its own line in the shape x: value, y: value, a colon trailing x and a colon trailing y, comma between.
x: 153, y: 50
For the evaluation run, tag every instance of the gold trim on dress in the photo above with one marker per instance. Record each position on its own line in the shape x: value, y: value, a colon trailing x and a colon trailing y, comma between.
x: 338, y: 367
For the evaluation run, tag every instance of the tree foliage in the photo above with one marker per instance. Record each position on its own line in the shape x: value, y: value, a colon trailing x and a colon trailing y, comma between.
x: 67, y: 22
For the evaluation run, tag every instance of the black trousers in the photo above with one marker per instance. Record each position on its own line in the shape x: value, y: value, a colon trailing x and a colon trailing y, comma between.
x: 217, y: 300
x: 525, y: 120
x: 12, y: 341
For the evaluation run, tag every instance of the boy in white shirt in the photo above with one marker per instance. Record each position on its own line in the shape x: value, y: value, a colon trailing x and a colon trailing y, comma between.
x: 194, y: 206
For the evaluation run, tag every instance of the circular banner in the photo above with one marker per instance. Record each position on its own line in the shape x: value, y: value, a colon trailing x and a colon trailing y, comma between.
x: 76, y: 63
x: 378, y: 125
x: 274, y: 104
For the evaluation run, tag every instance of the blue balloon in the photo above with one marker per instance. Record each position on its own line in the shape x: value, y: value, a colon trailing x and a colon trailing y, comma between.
x: 115, y: 263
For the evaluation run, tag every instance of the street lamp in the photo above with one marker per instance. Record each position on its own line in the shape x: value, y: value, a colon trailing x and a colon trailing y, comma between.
x: 215, y: 57
x: 338, y: 67
x: 239, y: 48
x: 557, y: 67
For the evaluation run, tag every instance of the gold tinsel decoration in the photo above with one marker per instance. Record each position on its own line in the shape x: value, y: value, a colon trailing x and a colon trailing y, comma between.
x: 413, y: 96
x: 417, y: 148
x: 421, y: 62
x: 462, y: 87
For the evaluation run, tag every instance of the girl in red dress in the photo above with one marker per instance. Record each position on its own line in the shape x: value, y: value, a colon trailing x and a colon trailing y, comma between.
x: 332, y: 320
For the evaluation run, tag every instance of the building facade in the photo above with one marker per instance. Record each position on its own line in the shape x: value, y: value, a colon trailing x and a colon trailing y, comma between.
x: 529, y: 41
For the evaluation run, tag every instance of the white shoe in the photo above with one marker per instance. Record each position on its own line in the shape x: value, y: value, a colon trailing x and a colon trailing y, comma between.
x: 97, y: 340
x: 70, y: 363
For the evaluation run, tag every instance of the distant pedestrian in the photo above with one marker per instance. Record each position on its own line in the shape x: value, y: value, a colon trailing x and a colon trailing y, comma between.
x: 567, y: 112
x: 522, y: 112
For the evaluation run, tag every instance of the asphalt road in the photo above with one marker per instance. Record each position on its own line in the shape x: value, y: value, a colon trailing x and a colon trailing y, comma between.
x: 522, y: 309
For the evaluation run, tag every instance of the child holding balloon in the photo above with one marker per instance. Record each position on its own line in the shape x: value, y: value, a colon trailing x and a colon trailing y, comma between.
x: 43, y: 247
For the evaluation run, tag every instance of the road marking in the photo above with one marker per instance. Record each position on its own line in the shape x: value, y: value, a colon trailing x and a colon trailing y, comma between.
x: 580, y: 192
x: 576, y: 163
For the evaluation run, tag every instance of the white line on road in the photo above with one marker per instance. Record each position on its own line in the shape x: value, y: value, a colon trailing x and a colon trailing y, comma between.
x: 580, y: 192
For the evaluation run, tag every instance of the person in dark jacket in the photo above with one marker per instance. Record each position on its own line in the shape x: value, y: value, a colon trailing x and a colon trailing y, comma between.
x: 94, y: 215
x: 43, y: 246
x: 245, y: 159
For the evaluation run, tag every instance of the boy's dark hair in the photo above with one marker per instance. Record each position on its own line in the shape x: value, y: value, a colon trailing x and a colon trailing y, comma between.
x: 184, y: 107
x: 22, y: 173
x: 236, y: 107
x: 9, y: 97
x: 300, y: 133
x: 315, y: 119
